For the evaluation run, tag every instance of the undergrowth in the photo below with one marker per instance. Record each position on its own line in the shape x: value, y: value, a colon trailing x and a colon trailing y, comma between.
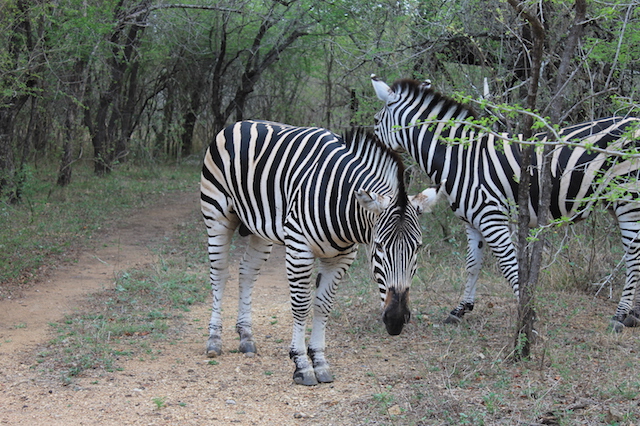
x: 50, y: 221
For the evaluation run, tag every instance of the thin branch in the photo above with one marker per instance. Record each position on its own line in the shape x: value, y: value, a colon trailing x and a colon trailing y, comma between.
x: 557, y: 139
x: 624, y: 28
x: 580, y: 102
x: 151, y: 8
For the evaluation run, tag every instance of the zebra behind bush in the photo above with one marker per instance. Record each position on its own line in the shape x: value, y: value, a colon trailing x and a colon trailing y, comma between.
x: 482, y: 173
x: 320, y: 196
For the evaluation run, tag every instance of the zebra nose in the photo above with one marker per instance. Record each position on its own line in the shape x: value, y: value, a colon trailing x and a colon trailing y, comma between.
x: 396, y: 313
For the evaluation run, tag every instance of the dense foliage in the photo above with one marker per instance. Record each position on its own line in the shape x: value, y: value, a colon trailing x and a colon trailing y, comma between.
x: 122, y: 80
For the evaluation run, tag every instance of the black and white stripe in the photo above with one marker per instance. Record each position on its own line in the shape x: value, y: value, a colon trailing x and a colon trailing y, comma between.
x: 320, y: 196
x: 482, y: 174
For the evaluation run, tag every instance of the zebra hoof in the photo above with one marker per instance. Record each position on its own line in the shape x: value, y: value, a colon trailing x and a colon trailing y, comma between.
x: 616, y: 326
x: 323, y: 374
x: 452, y: 319
x: 305, y: 377
x: 631, y: 321
x: 248, y: 348
x: 214, y: 348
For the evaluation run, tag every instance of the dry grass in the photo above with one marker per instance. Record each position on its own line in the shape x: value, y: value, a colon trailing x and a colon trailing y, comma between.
x: 580, y: 373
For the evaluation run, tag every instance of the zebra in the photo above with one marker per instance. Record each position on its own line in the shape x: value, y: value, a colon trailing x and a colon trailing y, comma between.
x: 319, y: 195
x: 482, y: 174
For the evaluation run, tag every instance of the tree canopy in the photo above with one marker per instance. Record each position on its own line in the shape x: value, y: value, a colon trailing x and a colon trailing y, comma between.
x: 139, y: 80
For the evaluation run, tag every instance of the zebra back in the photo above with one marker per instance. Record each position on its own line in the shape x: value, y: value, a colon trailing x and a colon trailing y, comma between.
x: 268, y: 169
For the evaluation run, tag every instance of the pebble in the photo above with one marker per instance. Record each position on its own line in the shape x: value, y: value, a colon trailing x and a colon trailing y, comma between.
x: 300, y: 415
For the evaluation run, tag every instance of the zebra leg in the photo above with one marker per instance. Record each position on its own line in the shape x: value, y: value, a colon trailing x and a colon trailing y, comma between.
x: 256, y: 254
x: 496, y: 233
x: 627, y: 312
x: 219, y: 240
x: 475, y: 255
x: 331, y: 271
x: 299, y: 268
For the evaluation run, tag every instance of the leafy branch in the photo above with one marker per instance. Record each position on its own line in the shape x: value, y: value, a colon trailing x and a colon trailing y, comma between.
x: 553, y: 139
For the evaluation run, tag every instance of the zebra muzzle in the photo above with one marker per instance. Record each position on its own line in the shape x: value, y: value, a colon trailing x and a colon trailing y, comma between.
x: 396, y: 311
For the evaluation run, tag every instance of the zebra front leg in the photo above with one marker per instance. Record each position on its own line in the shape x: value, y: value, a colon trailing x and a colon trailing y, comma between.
x: 475, y: 255
x: 256, y: 254
x: 331, y: 271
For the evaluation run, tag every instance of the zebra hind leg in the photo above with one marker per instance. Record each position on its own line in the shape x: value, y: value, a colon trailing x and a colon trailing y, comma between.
x: 628, y: 311
x: 256, y: 254
x: 633, y: 318
x: 219, y: 237
x: 455, y: 316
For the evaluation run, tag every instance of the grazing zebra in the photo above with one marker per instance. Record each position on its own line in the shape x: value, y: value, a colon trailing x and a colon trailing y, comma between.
x: 320, y: 196
x: 482, y: 174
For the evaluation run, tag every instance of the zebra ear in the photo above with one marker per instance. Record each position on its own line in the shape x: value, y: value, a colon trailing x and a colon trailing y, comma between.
x: 373, y: 202
x: 424, y: 201
x: 383, y: 91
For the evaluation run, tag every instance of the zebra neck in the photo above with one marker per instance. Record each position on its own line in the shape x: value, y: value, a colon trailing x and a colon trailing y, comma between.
x: 440, y: 137
x: 433, y: 149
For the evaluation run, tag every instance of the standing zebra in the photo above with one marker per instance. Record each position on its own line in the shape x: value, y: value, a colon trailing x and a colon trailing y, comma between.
x: 320, y: 196
x: 482, y: 174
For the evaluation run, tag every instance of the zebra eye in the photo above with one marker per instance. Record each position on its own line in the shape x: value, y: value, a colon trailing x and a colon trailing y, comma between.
x: 378, y: 246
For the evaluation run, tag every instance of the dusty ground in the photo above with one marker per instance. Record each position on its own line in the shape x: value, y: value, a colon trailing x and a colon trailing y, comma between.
x: 428, y: 375
x: 242, y: 390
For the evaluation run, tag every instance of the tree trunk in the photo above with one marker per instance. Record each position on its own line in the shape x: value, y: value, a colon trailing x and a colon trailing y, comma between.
x: 99, y: 139
x: 114, y: 118
x: 190, y: 118
x: 76, y: 84
x: 557, y: 104
x: 529, y: 257
x: 64, y: 172
x: 7, y: 160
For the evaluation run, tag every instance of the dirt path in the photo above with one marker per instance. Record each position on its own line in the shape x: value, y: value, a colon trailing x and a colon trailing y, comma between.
x: 24, y: 320
x: 236, y: 390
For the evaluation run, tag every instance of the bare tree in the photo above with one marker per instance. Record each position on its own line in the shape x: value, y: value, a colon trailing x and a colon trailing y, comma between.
x: 530, y: 253
x: 111, y: 122
x: 237, y: 69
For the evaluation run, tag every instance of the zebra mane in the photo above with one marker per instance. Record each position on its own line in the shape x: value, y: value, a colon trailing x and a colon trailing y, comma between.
x: 365, y: 143
x: 415, y: 87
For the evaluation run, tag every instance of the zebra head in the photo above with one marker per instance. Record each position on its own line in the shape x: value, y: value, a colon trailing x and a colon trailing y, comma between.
x: 405, y: 102
x: 396, y: 240
x: 382, y: 126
